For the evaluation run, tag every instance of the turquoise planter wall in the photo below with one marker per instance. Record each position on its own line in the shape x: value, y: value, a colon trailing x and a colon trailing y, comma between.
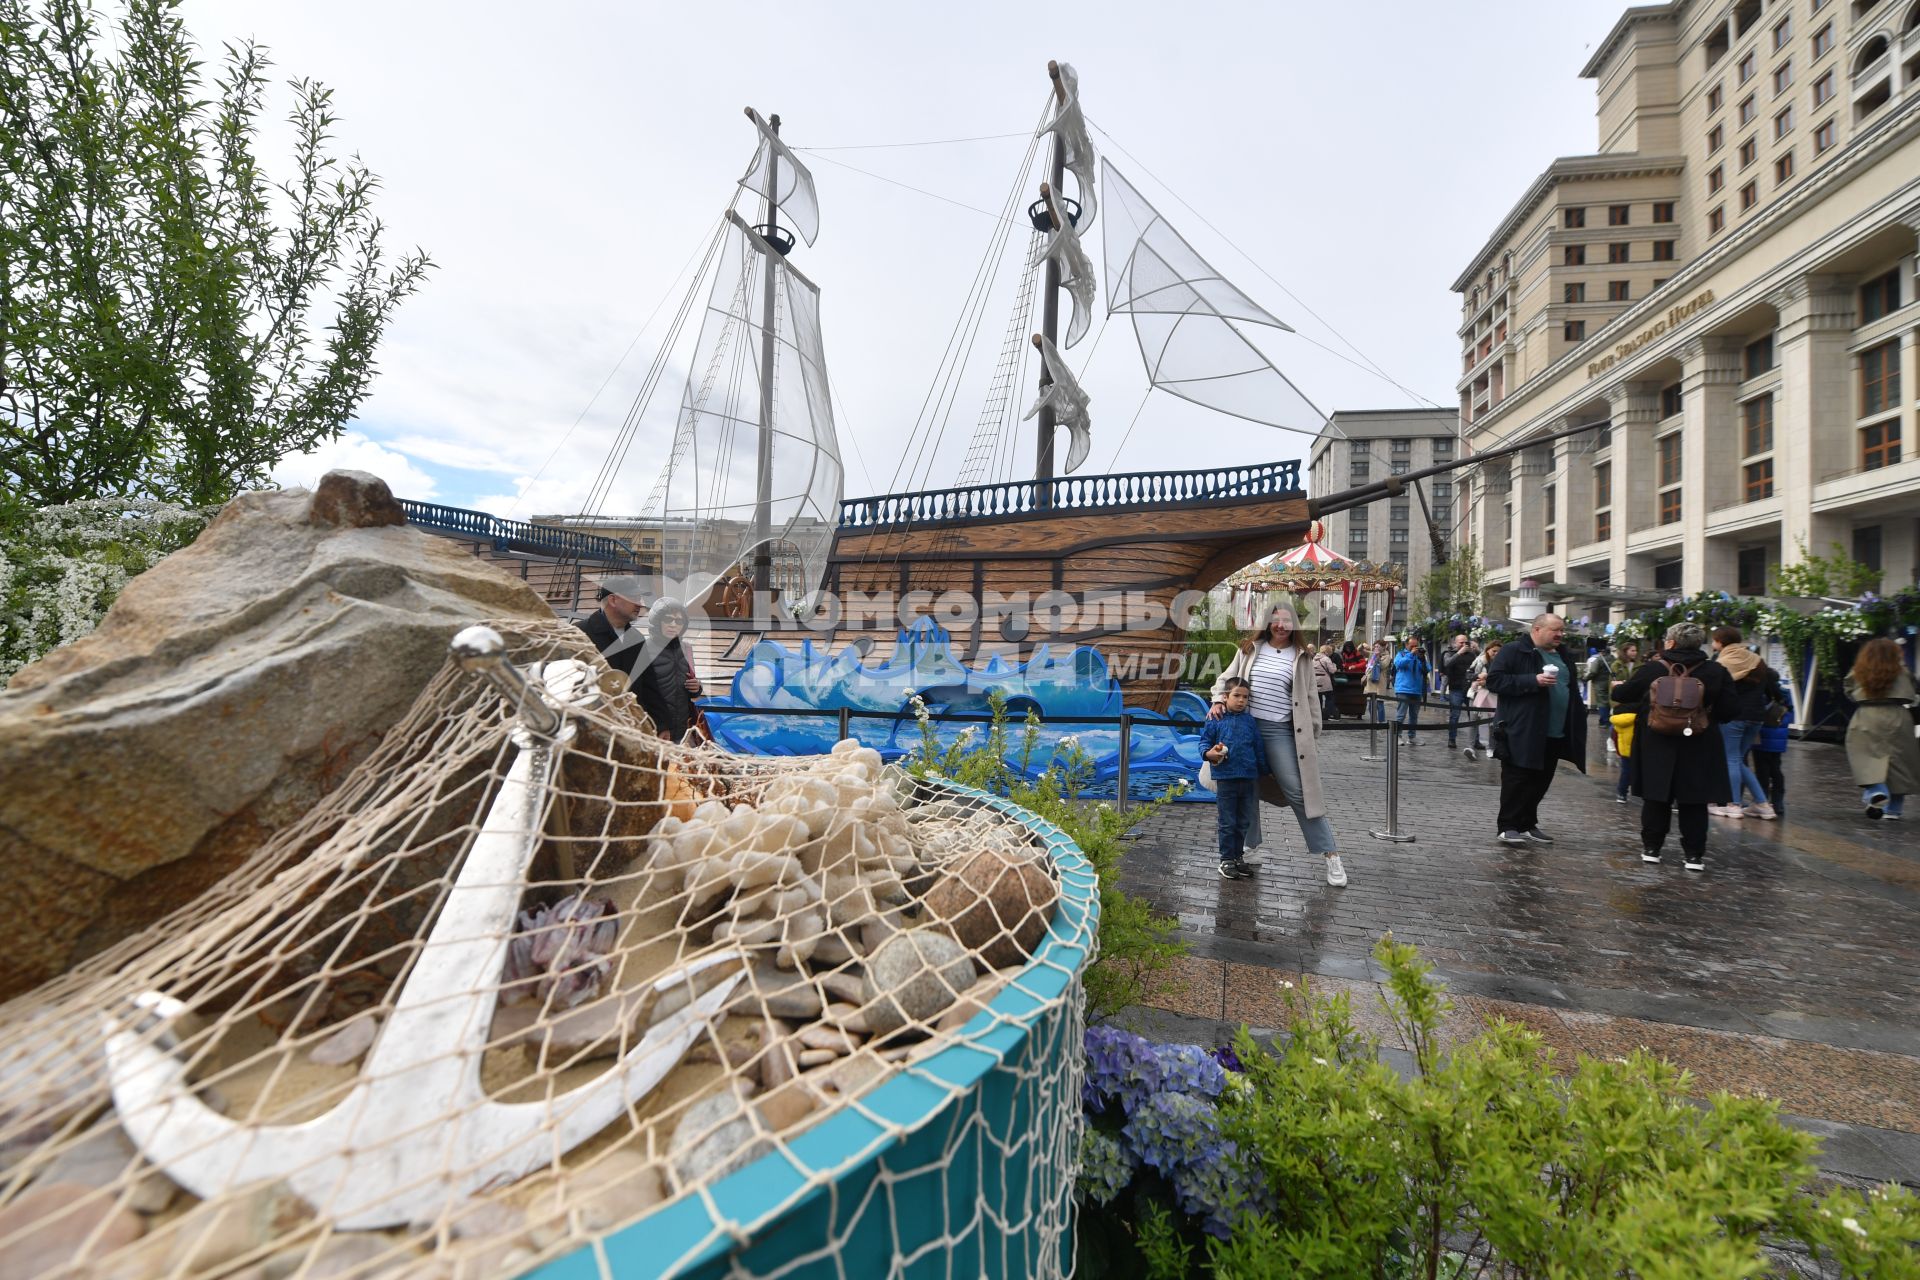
x: 959, y: 1165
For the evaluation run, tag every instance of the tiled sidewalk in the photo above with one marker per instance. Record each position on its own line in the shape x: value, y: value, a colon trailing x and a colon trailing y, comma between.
x: 1791, y: 967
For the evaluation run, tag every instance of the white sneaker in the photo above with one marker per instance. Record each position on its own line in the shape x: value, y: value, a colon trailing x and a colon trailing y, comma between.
x: 1336, y: 874
x: 1469, y: 752
x: 1725, y: 811
x: 1763, y: 811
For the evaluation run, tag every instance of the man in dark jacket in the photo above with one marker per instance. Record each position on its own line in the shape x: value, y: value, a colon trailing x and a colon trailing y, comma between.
x: 1540, y: 722
x: 1687, y: 770
x: 610, y: 626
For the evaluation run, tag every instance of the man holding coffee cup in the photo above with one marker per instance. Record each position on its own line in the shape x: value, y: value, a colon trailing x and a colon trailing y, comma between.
x: 1541, y: 721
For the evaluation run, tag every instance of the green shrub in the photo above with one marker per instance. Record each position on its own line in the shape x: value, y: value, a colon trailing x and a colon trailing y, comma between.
x: 1134, y: 943
x: 1486, y: 1162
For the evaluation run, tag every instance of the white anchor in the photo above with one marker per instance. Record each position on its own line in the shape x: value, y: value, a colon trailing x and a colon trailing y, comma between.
x: 417, y: 1132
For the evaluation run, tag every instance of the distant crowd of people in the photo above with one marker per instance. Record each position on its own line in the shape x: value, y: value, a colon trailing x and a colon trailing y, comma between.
x: 1700, y: 728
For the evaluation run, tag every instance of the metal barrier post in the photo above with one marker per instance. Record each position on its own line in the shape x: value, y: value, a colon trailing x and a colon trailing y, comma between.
x: 846, y: 725
x: 1393, y: 832
x: 1126, y: 757
x: 1373, y: 755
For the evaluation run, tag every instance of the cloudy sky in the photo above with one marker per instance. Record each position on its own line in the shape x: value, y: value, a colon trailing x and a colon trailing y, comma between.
x: 562, y: 168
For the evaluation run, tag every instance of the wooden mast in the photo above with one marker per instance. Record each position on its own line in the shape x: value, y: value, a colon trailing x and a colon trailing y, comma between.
x: 1050, y: 300
x: 763, y: 493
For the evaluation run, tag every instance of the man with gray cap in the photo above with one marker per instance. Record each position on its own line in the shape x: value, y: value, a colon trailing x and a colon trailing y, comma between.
x: 610, y: 625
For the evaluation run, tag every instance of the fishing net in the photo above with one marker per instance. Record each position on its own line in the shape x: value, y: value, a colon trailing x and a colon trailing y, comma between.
x: 531, y: 975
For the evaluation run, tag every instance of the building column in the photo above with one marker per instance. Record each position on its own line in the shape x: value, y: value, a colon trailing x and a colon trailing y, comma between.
x: 1815, y: 408
x: 1636, y: 411
x: 1532, y: 471
x: 1709, y: 457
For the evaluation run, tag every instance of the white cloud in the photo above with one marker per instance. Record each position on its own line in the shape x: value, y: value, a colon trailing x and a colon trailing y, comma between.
x: 355, y: 452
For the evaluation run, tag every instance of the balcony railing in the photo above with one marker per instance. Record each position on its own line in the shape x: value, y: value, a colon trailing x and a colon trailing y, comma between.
x: 1071, y: 493
x: 518, y: 535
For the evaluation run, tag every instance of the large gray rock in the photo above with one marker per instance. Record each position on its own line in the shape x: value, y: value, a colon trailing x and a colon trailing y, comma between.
x: 913, y: 977
x: 229, y: 688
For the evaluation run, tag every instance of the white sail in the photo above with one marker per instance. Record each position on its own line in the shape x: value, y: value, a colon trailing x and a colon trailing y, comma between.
x: 1069, y: 403
x: 1069, y: 126
x: 743, y: 474
x: 795, y: 198
x: 1076, y: 271
x: 1186, y: 316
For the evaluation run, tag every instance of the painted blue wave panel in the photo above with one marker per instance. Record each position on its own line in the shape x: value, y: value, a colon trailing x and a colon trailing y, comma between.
x: 1058, y: 684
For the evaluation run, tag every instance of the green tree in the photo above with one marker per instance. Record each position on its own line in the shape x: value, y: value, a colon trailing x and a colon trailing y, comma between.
x: 1838, y: 576
x: 172, y: 323
x: 1454, y: 587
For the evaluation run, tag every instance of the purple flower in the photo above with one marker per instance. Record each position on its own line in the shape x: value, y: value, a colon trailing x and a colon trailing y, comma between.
x: 561, y: 952
x: 1189, y: 1069
x: 1105, y: 1166
x: 1169, y: 1129
x: 1228, y: 1059
x: 1221, y: 1189
x: 1121, y: 1067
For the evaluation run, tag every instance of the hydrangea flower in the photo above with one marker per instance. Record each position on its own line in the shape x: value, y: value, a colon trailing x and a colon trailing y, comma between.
x: 1105, y: 1166
x: 1121, y: 1068
x: 1228, y: 1059
x: 1170, y: 1129
x: 1190, y: 1069
x: 1221, y: 1189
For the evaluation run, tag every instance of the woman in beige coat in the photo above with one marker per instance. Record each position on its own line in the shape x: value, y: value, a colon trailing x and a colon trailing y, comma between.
x: 1880, y: 744
x: 1286, y: 709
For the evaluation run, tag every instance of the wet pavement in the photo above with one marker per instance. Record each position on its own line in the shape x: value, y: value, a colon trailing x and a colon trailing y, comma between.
x: 1790, y: 967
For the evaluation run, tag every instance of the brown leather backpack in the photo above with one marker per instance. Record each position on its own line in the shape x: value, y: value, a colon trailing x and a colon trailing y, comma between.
x: 1677, y: 703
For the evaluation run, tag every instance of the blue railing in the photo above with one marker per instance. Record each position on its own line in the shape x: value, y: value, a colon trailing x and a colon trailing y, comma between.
x: 518, y: 535
x: 1138, y: 488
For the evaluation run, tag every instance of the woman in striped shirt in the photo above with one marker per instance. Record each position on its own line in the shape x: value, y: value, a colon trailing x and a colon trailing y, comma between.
x: 1274, y: 661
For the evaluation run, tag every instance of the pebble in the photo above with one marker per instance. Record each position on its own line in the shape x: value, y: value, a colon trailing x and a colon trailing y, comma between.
x: 810, y: 1058
x: 913, y: 978
x: 716, y: 1136
x: 613, y: 1190
x: 348, y: 1043
x: 105, y: 1158
x: 349, y: 1253
x: 819, y: 1037
x: 56, y: 1224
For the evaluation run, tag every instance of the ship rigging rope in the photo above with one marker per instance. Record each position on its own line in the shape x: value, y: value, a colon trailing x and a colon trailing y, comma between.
x: 931, y: 142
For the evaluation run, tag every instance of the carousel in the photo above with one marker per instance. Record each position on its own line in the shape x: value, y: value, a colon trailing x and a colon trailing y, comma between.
x: 1331, y: 592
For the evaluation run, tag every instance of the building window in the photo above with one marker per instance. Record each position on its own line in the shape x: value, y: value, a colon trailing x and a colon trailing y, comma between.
x: 1749, y: 65
x: 1442, y: 489
x: 1574, y: 331
x: 1670, y: 506
x: 1669, y: 401
x: 1617, y: 253
x: 1715, y: 98
x: 1669, y: 446
x: 1442, y: 514
x: 1823, y: 89
x: 1602, y: 502
x: 1749, y: 111
x: 1749, y: 196
x: 1751, y: 571
x: 1880, y: 378
x: 1616, y: 291
x: 1782, y: 77
x: 1782, y: 32
x: 1756, y: 447
x: 1571, y: 218
x: 1783, y: 169
x: 1398, y: 467
x: 1602, y: 525
x: 1759, y: 356
x: 1573, y: 293
x: 1662, y: 280
x: 1823, y: 41
x: 1442, y: 448
x: 1716, y: 178
x: 1401, y: 448
x: 1397, y: 512
x: 1357, y: 450
x: 1574, y: 255
x: 1663, y: 211
x: 1619, y: 214
x: 1880, y: 445
x: 1552, y: 519
x: 1783, y: 123
x: 1663, y: 250
x: 1397, y: 537
x: 1666, y: 576
x: 1357, y: 472
x: 1716, y: 138
x: 1749, y: 152
x: 1823, y: 137
x: 1879, y: 297
x: 1717, y: 220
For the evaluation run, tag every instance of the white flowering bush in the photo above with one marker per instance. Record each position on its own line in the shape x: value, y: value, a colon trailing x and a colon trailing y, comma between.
x: 62, y: 567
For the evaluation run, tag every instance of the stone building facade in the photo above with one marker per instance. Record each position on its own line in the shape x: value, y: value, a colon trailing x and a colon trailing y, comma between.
x: 1362, y: 446
x: 1728, y: 291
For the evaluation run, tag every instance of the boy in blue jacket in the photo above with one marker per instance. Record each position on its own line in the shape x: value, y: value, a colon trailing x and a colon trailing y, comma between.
x: 1231, y: 744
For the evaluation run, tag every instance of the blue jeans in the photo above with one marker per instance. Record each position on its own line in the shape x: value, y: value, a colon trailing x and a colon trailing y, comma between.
x: 1277, y: 737
x: 1456, y: 705
x: 1625, y: 784
x: 1895, y: 804
x: 1407, y: 714
x: 1739, y: 736
x: 1238, y: 804
x: 1379, y: 710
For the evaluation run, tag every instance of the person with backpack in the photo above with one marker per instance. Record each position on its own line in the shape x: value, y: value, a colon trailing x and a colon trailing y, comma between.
x: 1458, y: 669
x: 1758, y: 686
x: 1678, y: 757
x: 1410, y: 671
x: 1541, y: 721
